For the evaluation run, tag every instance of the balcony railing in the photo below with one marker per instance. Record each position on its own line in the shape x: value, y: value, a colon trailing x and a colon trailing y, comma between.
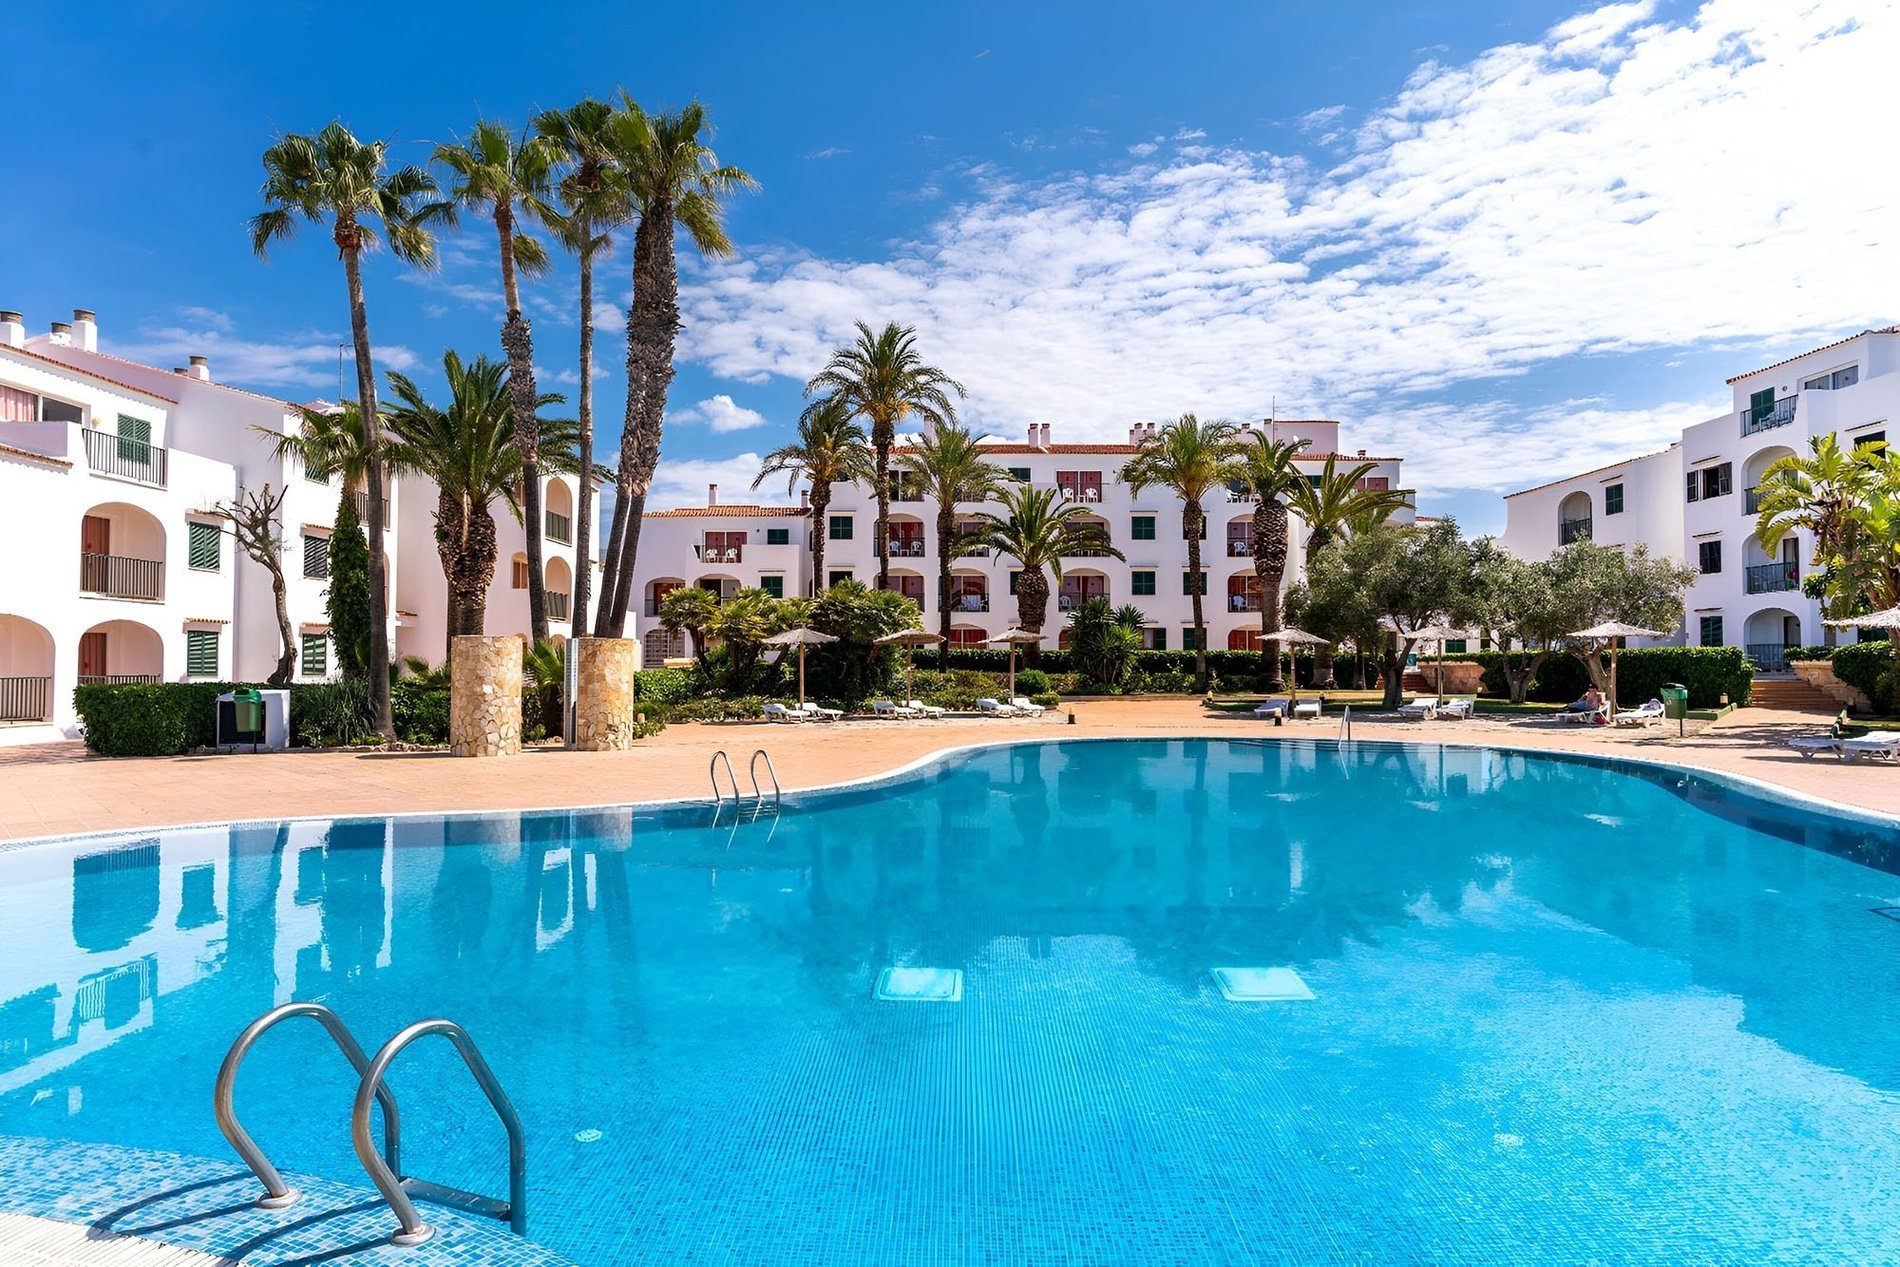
x: 1243, y: 602
x: 560, y: 528
x: 1085, y: 553
x: 1751, y: 500
x: 1239, y: 548
x: 974, y: 552
x: 907, y: 547
x: 361, y: 499
x: 903, y: 494
x: 1570, y: 530
x: 26, y: 698
x: 558, y: 605
x: 1761, y: 418
x: 1769, y: 657
x: 967, y: 602
x: 124, y: 456
x: 118, y: 577
x: 1070, y: 601
x: 1766, y: 578
x: 718, y: 554
x: 117, y: 679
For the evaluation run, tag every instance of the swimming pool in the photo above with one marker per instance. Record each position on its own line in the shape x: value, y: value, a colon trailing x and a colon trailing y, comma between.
x: 1560, y: 1011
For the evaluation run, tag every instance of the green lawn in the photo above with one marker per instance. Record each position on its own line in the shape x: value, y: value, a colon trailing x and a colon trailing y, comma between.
x: 1373, y: 702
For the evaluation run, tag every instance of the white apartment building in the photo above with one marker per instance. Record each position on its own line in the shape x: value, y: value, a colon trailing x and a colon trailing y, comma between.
x: 119, y: 568
x: 1695, y: 501
x: 725, y: 548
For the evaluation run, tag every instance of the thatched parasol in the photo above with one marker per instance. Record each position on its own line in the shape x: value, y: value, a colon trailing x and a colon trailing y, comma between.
x: 1436, y: 634
x: 1888, y: 619
x: 909, y: 638
x: 1015, y: 638
x: 801, y: 638
x: 1287, y: 636
x: 1614, y: 631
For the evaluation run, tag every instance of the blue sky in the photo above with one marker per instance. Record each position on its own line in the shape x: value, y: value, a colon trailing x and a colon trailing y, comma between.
x: 1501, y: 240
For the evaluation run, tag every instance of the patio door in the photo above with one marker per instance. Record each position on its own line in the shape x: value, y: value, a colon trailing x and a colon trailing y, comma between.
x: 95, y: 535
x: 92, y: 654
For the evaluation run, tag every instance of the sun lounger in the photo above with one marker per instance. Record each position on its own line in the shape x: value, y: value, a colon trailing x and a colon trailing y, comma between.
x: 1306, y: 708
x: 1880, y: 745
x: 890, y: 708
x: 1276, y: 707
x: 1457, y: 708
x: 1420, y: 707
x: 1649, y: 714
x: 778, y: 712
x: 810, y: 709
x: 1809, y: 745
x: 1583, y: 716
x: 996, y: 708
x: 926, y: 710
x: 1023, y: 704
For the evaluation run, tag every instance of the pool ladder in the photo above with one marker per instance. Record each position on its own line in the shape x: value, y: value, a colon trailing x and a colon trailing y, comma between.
x: 384, y: 1167
x: 752, y: 772
x: 1345, y: 725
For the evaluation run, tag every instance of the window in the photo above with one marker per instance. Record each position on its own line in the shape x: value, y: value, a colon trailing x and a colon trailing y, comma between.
x: 135, y: 439
x: 203, y: 546
x: 1142, y: 528
x: 1141, y: 584
x: 1013, y: 577
x: 1710, y: 481
x: 201, y: 653
x: 1761, y: 403
x: 316, y: 556
x: 1872, y: 437
x: 1709, y: 556
x: 778, y: 536
x: 1613, y: 499
x: 1693, y: 488
x: 841, y: 527
x: 1454, y: 646
x: 1188, y: 641
x: 838, y: 578
x: 1833, y: 382
x: 17, y: 405
x: 1189, y: 581
x: 1711, y: 631
x: 1203, y: 529
x: 1019, y: 473
x: 316, y: 656
x: 314, y: 475
x: 1154, y: 639
x: 773, y: 585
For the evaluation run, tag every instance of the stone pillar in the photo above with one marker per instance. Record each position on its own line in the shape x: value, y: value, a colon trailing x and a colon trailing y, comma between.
x: 484, y: 696
x: 603, y: 693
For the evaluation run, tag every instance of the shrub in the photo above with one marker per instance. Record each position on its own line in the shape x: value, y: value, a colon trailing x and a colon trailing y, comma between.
x: 717, y: 708
x: 664, y: 686
x: 1032, y: 682
x: 420, y: 709
x: 136, y: 719
x: 1866, y: 665
x: 330, y: 712
x: 1811, y: 653
x: 1048, y: 699
x: 1708, y: 672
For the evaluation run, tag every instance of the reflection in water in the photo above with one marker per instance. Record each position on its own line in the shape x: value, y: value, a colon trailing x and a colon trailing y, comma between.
x: 694, y: 988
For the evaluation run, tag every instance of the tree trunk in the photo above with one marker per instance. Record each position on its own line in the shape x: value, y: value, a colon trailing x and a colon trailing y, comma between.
x: 1392, y: 670
x: 466, y: 543
x: 1192, y: 522
x: 1518, y: 680
x: 517, y: 342
x: 946, y: 532
x: 1032, y: 604
x: 378, y: 668
x: 287, y: 659
x: 820, y: 530
x: 612, y: 619
x: 1269, y: 565
x: 584, y: 507
x: 883, y: 436
x: 1322, y: 652
x: 610, y: 558
x: 655, y: 328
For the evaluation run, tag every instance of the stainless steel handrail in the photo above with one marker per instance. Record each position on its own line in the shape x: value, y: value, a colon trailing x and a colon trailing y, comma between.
x: 752, y: 772
x: 412, y: 1230
x: 712, y: 770
x: 278, y: 1194
x: 1345, y: 724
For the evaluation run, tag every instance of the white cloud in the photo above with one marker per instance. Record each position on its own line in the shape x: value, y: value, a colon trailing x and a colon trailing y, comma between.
x: 683, y: 482
x: 299, y: 360
x: 1623, y: 185
x: 830, y: 151
x: 720, y: 414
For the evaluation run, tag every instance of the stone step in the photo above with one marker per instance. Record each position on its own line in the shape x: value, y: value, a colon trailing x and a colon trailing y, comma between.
x: 1792, y: 695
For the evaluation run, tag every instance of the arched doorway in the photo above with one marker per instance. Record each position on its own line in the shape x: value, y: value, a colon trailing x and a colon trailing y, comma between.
x: 1754, y: 469
x: 909, y: 584
x: 1767, y: 635
x: 26, y: 670
x: 560, y: 587
x: 966, y: 636
x: 1078, y: 586
x: 907, y: 537
x: 1243, y: 592
x: 560, y: 512
x: 122, y: 553
x: 722, y: 587
x: 1574, y: 519
x: 118, y: 651
x: 1240, y: 537
x: 657, y: 590
x: 969, y: 591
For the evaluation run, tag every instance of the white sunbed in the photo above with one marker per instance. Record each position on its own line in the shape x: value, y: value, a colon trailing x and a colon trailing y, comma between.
x: 778, y: 712
x: 1023, y: 704
x: 1456, y: 708
x: 1809, y: 745
x: 1306, y: 708
x: 1648, y: 714
x: 1420, y: 707
x: 1583, y: 716
x: 926, y: 710
x: 810, y: 709
x: 996, y: 708
x: 890, y: 708
x: 1275, y: 707
x: 1882, y: 745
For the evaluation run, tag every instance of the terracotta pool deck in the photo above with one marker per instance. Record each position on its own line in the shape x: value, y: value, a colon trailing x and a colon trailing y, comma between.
x: 57, y: 788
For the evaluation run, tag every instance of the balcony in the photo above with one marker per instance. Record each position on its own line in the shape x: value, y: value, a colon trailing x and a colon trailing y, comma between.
x: 974, y: 552
x: 907, y: 547
x: 711, y: 553
x: 26, y: 699
x: 118, y: 577
x: 1768, y: 657
x: 124, y: 456
x: 118, y: 679
x: 1572, y: 530
x: 1751, y: 500
x: 1765, y: 417
x: 1243, y: 602
x: 560, y: 528
x: 1239, y: 548
x: 361, y: 501
x: 1767, y: 578
x: 558, y: 605
x: 969, y: 602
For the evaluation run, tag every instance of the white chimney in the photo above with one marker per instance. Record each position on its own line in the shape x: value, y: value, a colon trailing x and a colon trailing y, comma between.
x: 712, y: 494
x: 1151, y: 431
x: 12, y: 329
x: 1045, y: 435
x: 1032, y: 435
x: 804, y: 499
x: 200, y: 369
x: 1134, y: 435
x: 62, y: 334
x: 85, y: 330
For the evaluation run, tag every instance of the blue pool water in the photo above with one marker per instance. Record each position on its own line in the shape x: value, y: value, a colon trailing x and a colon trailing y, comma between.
x: 1560, y: 1012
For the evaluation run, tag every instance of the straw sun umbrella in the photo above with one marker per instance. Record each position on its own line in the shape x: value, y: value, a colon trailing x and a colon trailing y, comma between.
x: 1288, y: 637
x: 909, y: 638
x: 1014, y: 637
x: 1614, y: 630
x: 1437, y: 634
x: 801, y: 638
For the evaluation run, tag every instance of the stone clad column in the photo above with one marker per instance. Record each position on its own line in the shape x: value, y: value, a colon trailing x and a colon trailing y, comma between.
x: 603, y: 693
x: 484, y: 696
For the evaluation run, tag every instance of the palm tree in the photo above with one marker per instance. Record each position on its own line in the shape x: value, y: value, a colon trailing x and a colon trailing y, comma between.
x: 510, y: 179
x: 1193, y: 459
x: 949, y: 466
x: 329, y: 442
x: 831, y: 449
x: 1264, y: 470
x: 675, y: 180
x: 1329, y: 505
x: 594, y: 204
x: 1039, y: 528
x: 881, y: 377
x: 470, y: 452
x: 1818, y: 492
x: 336, y: 179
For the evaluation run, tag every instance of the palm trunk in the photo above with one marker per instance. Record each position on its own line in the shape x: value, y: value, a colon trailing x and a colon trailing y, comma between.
x: 1269, y: 564
x: 884, y: 435
x: 286, y: 660
x: 466, y: 544
x: 1032, y: 605
x: 610, y: 560
x: 378, y: 669
x: 517, y: 342
x: 1323, y: 652
x: 820, y: 529
x: 1192, y: 520
x: 612, y: 620
x: 656, y: 324
x: 946, y: 532
x: 584, y: 508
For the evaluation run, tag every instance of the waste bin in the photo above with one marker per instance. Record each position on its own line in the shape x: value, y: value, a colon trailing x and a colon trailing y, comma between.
x: 1675, y: 700
x: 240, y: 718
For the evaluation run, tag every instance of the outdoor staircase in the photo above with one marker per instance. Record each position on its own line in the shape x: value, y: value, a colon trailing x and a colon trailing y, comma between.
x: 1414, y: 682
x: 1792, y: 695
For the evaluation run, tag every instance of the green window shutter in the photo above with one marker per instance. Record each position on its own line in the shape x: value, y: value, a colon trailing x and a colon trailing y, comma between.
x: 135, y: 439
x: 1613, y: 500
x: 778, y: 536
x: 1761, y: 404
x: 316, y: 655
x: 316, y: 557
x: 838, y: 578
x: 1189, y: 579
x: 1711, y: 631
x: 203, y: 546
x: 1142, y: 528
x: 1187, y: 639
x: 773, y: 585
x: 1012, y: 581
x: 1141, y: 584
x: 1160, y: 642
x: 1020, y: 474
x: 1694, y: 490
x: 201, y: 653
x: 841, y: 527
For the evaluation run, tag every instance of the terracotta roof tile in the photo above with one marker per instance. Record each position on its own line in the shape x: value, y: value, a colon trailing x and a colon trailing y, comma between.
x: 1811, y: 351
x: 734, y: 511
x: 47, y: 458
x: 86, y: 373
x: 207, y: 382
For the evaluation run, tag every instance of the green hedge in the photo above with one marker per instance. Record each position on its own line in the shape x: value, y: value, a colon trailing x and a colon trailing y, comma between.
x: 665, y: 686
x: 1869, y: 666
x: 1240, y: 670
x: 1708, y: 672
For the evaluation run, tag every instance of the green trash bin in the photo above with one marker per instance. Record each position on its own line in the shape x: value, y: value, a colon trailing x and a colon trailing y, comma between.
x: 1675, y: 701
x: 247, y: 708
